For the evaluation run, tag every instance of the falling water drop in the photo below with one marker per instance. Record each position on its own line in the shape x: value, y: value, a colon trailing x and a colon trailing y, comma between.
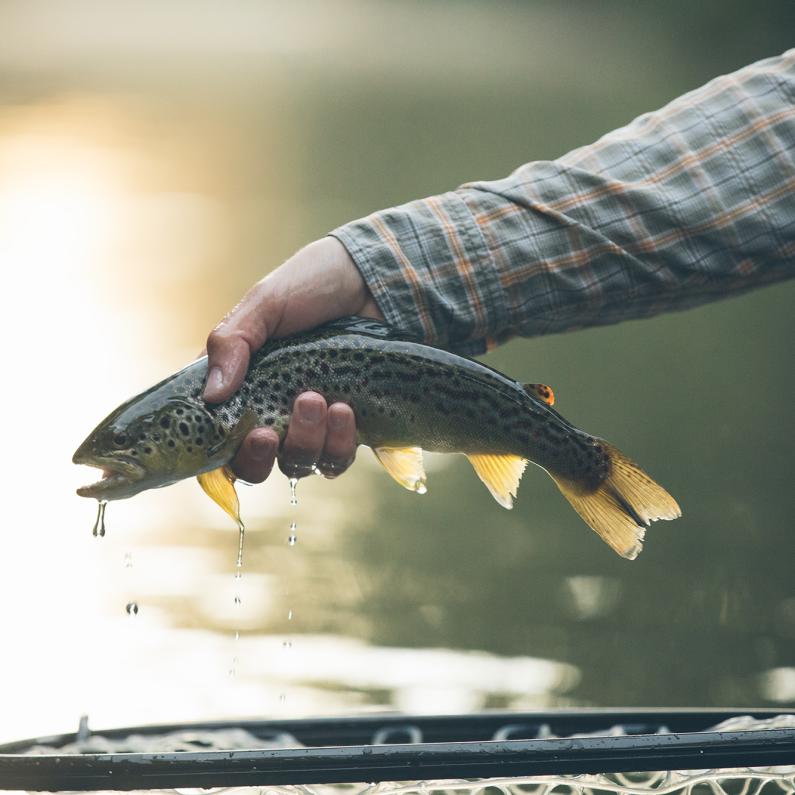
x: 241, y: 536
x: 289, y: 615
x: 287, y: 644
x: 292, y: 538
x: 99, y: 525
x: 282, y: 698
x: 132, y: 609
x: 238, y: 600
x: 128, y: 562
x: 293, y: 485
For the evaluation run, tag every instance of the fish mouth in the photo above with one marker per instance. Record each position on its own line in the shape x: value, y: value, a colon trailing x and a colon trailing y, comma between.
x: 120, y: 477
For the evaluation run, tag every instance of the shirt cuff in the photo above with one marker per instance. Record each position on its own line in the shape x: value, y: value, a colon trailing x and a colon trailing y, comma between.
x: 430, y: 271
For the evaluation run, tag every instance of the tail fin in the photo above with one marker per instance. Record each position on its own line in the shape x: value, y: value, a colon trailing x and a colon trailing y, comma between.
x: 623, y: 506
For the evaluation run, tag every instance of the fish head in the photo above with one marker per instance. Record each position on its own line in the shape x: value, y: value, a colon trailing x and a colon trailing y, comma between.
x: 148, y: 442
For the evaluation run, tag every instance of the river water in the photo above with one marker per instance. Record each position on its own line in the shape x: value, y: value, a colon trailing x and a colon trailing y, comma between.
x: 148, y: 176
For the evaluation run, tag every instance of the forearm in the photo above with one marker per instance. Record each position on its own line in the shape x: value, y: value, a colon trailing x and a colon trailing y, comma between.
x: 684, y: 205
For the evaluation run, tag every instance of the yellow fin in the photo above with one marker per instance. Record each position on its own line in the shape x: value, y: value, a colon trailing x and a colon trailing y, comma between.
x: 623, y: 506
x: 219, y: 485
x: 501, y: 474
x: 541, y: 391
x: 405, y: 466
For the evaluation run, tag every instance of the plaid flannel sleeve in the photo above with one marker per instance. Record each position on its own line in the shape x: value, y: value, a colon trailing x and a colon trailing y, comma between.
x: 693, y: 202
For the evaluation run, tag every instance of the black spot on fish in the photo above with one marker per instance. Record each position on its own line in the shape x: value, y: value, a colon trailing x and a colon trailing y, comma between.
x: 189, y: 449
x: 358, y: 356
x: 148, y: 450
x: 199, y: 441
x: 183, y: 428
x: 333, y: 354
x: 165, y: 422
x: 170, y: 442
x: 180, y: 412
x: 269, y: 420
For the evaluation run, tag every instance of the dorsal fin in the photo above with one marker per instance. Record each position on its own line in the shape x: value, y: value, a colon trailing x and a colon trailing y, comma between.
x: 219, y: 485
x: 541, y: 391
x: 500, y: 473
x: 405, y: 466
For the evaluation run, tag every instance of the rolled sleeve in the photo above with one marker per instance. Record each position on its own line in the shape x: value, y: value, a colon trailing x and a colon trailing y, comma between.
x: 684, y: 205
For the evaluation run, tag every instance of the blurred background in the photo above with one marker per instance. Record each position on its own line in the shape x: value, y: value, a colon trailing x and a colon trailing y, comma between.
x: 155, y: 160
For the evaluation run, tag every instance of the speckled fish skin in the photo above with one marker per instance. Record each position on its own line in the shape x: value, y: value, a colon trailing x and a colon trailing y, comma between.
x: 403, y: 393
x: 406, y: 397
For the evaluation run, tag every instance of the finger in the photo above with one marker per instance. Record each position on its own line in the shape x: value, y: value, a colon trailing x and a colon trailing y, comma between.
x: 254, y: 460
x: 235, y: 338
x: 305, y: 436
x: 340, y: 446
x: 227, y: 362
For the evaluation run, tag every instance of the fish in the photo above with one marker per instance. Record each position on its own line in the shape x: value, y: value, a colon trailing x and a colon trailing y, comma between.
x: 407, y: 397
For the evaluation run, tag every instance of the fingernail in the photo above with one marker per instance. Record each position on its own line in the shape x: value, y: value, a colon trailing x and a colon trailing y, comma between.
x: 337, y: 420
x: 215, y: 381
x: 310, y: 410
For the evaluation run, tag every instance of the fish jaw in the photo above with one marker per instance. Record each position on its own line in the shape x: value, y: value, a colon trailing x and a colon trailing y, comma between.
x: 121, y: 477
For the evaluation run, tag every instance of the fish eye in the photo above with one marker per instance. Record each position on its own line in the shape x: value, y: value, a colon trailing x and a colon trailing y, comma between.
x: 119, y: 439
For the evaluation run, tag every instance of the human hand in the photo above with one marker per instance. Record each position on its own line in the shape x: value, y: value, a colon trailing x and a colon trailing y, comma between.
x: 318, y: 284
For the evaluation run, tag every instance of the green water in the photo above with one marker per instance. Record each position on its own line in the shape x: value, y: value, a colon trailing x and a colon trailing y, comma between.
x: 379, y: 103
x: 703, y: 399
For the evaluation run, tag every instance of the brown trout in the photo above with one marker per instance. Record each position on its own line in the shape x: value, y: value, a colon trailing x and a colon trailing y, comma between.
x: 406, y: 397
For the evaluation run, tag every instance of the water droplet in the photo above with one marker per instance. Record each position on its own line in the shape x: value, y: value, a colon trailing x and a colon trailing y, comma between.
x: 292, y: 538
x: 289, y: 615
x: 232, y: 673
x: 293, y: 485
x: 128, y: 563
x: 132, y: 608
x: 238, y: 600
x: 287, y: 644
x: 240, y: 539
x: 99, y: 524
x: 420, y: 487
x: 282, y: 698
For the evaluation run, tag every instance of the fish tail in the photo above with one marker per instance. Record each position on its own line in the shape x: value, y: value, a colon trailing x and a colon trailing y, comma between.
x: 623, y: 505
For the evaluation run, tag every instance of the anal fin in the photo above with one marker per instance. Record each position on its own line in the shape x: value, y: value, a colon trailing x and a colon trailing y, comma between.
x: 219, y: 485
x: 404, y: 464
x: 501, y: 474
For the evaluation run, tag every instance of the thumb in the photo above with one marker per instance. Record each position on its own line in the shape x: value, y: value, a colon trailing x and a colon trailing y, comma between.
x: 231, y: 344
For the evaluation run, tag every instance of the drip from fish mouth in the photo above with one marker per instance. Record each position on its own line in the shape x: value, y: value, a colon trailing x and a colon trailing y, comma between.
x: 119, y: 475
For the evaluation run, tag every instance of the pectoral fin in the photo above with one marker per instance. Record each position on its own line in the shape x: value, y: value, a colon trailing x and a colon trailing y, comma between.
x: 501, y: 474
x: 219, y: 485
x: 405, y: 466
x: 541, y: 391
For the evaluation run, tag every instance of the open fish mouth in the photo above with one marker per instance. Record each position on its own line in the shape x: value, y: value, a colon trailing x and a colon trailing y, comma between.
x: 119, y: 477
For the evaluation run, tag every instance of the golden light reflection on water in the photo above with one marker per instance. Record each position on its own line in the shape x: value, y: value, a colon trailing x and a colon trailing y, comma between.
x: 140, y: 196
x: 97, y: 256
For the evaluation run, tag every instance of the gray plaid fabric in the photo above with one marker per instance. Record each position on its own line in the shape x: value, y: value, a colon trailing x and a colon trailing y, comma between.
x: 693, y: 202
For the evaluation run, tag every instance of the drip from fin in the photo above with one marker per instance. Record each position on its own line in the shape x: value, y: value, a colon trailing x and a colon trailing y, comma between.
x: 404, y: 464
x: 623, y: 506
x: 541, y: 391
x: 501, y: 474
x: 219, y: 485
